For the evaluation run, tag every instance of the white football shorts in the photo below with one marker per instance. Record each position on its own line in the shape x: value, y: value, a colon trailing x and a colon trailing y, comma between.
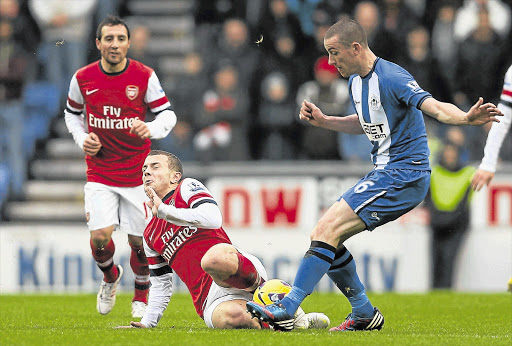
x: 218, y: 294
x: 124, y: 207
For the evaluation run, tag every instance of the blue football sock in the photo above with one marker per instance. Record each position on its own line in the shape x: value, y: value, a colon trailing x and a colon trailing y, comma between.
x: 314, y: 265
x: 343, y: 273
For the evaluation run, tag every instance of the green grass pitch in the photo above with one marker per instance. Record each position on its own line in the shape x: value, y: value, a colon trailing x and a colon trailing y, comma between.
x: 437, y: 318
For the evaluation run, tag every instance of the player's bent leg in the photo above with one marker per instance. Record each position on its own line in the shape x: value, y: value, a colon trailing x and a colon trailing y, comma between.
x: 232, y: 314
x: 230, y: 268
x: 140, y: 268
x: 103, y: 250
x: 338, y: 224
x: 220, y: 262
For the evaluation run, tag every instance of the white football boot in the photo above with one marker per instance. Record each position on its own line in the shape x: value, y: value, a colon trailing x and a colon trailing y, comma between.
x: 106, y: 298
x: 312, y: 320
x: 138, y: 309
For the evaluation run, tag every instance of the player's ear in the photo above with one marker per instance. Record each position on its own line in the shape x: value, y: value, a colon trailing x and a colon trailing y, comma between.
x: 357, y: 48
x: 97, y: 43
x: 176, y: 177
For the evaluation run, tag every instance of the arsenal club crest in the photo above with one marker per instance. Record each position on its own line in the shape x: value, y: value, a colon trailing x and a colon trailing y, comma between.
x: 132, y: 91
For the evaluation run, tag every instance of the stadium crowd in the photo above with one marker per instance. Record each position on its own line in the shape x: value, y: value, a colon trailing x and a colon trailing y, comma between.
x: 253, y: 63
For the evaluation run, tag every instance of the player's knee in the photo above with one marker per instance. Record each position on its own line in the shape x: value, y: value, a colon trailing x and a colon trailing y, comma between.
x: 100, y: 238
x: 216, y: 259
x: 322, y: 231
x: 135, y: 242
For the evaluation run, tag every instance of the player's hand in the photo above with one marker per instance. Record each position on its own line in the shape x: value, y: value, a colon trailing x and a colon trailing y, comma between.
x: 154, y: 200
x: 311, y: 113
x: 140, y: 129
x: 132, y: 325
x: 482, y: 113
x: 481, y: 178
x: 92, y: 144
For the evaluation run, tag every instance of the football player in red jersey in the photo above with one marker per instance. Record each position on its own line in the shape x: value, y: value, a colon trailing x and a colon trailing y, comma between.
x: 114, y: 94
x: 186, y: 236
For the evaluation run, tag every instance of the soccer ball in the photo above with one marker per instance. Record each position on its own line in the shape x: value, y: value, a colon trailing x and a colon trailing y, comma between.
x: 271, y: 291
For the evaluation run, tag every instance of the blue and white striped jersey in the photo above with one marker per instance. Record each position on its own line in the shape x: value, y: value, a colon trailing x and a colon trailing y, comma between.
x: 387, y: 101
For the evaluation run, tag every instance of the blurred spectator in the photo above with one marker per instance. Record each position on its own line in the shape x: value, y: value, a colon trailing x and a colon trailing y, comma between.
x: 381, y: 42
x: 303, y: 9
x: 140, y: 35
x: 480, y: 66
x: 65, y: 26
x: 467, y: 18
x: 448, y: 202
x: 224, y: 119
x: 456, y: 136
x: 444, y: 45
x: 434, y: 6
x: 398, y: 19
x: 184, y: 91
x: 24, y: 28
x: 278, y: 130
x: 285, y: 62
x: 283, y: 58
x: 14, y: 63
x: 419, y: 61
x: 234, y: 45
x: 481, y: 63
x: 331, y: 94
x: 278, y: 21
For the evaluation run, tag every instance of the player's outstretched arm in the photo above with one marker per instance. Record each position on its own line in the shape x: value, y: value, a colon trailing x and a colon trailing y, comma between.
x: 481, y: 179
x: 448, y: 113
x: 312, y: 114
x: 497, y: 134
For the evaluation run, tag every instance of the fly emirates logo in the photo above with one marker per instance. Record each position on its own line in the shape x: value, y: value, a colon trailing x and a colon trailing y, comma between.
x: 108, y: 122
x: 173, y: 244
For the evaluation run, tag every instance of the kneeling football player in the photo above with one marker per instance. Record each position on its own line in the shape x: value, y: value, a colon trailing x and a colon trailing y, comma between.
x: 186, y: 236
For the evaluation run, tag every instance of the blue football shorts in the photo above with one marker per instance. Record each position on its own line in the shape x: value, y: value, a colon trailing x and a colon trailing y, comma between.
x: 384, y: 195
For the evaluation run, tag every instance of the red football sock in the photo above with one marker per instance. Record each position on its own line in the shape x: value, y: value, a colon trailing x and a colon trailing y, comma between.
x: 246, y: 277
x: 105, y: 260
x: 140, y: 267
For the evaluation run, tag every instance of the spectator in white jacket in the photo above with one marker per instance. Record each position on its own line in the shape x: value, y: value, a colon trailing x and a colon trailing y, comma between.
x: 65, y: 29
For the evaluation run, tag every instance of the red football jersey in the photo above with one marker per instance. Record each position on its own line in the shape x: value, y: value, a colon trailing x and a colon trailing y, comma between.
x: 182, y: 247
x: 112, y: 101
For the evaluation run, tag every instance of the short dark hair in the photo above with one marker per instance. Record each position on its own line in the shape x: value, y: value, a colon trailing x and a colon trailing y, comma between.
x: 173, y: 161
x: 348, y: 31
x: 111, y: 21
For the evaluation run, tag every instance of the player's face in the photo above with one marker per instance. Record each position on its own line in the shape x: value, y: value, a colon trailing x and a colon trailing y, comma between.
x: 341, y: 57
x: 113, y: 45
x: 156, y: 174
